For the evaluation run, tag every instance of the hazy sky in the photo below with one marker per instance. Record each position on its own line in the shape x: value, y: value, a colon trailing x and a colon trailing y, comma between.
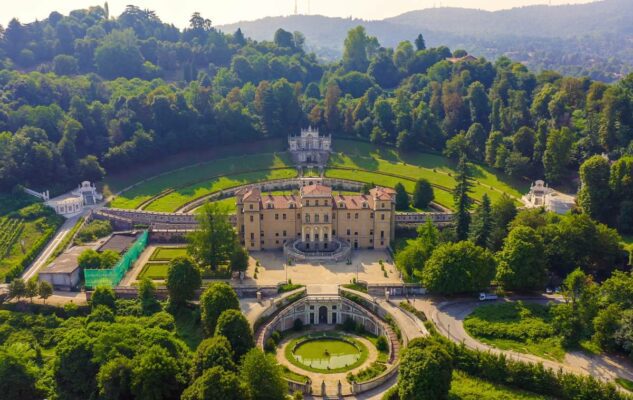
x: 227, y: 11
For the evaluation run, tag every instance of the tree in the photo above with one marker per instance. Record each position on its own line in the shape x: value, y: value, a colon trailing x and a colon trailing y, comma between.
x: 422, y: 194
x: 284, y: 39
x: 103, y: 296
x: 17, y: 378
x: 262, y: 376
x: 156, y: 375
x: 355, y: 50
x: 595, y: 194
x: 462, y: 201
x: 503, y: 212
x: 402, y: 198
x: 482, y: 227
x: 183, y: 279
x: 45, y: 290
x: 213, y: 352
x: 521, y: 261
x: 557, y: 154
x: 239, y: 258
x: 74, y: 367
x: 31, y: 289
x: 425, y: 373
x: 17, y: 289
x: 216, y: 299
x: 458, y: 268
x: 384, y: 71
x: 216, y: 384
x: 420, y: 44
x: 119, y: 55
x: 213, y: 243
x: 65, y: 65
x: 115, y: 379
x: 332, y: 114
x: 233, y: 325
x: 147, y: 296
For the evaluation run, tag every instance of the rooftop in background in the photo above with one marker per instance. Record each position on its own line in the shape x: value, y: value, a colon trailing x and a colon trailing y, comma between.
x: 119, y: 242
x: 66, y: 262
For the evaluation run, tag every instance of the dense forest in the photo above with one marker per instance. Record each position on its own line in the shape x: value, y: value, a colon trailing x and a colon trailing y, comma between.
x: 87, y: 94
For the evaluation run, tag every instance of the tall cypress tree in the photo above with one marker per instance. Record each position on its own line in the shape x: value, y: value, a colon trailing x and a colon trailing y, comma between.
x: 483, y: 223
x: 463, y: 203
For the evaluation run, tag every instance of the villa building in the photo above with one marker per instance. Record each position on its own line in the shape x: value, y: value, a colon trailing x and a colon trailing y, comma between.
x: 310, y: 148
x: 541, y: 195
x: 315, y: 219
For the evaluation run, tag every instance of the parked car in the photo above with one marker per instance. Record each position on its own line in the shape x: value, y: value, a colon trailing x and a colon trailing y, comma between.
x: 487, y: 297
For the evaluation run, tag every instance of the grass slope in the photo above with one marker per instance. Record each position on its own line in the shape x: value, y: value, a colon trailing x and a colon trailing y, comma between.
x: 517, y: 326
x: 180, y: 197
x: 195, y: 174
x: 465, y: 387
x: 364, y: 158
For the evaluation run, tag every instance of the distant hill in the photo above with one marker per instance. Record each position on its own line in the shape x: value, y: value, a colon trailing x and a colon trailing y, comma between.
x: 594, y: 39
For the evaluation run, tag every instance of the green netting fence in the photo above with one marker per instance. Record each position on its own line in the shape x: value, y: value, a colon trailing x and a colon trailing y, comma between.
x: 112, y: 277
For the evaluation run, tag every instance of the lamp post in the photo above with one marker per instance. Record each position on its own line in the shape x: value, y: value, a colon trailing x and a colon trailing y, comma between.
x: 286, y: 271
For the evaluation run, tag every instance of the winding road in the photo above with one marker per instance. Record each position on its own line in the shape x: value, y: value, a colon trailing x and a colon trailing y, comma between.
x: 449, y: 317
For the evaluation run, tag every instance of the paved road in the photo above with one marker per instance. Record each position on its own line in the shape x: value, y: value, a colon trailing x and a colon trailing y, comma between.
x: 449, y: 317
x: 40, y: 261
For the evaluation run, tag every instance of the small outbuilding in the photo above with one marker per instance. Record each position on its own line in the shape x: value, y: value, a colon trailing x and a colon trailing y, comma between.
x: 64, y: 273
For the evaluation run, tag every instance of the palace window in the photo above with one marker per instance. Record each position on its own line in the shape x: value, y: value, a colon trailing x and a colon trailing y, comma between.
x: 334, y: 232
x: 283, y: 216
x: 382, y: 217
x: 349, y: 215
x: 348, y: 232
x: 326, y: 218
x: 316, y: 203
x: 371, y: 215
x: 276, y: 217
x: 382, y: 234
x: 251, y: 218
x: 316, y: 218
x: 308, y: 218
x: 284, y: 234
x: 261, y: 217
x: 307, y: 203
x: 252, y: 235
x: 276, y: 234
x: 250, y: 206
x: 356, y: 216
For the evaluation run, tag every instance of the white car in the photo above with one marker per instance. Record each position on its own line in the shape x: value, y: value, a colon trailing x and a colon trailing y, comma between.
x: 487, y: 297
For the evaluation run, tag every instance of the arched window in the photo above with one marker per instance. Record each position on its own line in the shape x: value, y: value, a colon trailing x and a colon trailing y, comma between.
x: 308, y: 218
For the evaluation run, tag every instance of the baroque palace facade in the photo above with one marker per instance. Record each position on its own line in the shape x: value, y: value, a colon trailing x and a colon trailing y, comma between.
x: 315, y: 219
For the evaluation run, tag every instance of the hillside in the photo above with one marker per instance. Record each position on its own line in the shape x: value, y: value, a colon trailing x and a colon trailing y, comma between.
x: 592, y: 39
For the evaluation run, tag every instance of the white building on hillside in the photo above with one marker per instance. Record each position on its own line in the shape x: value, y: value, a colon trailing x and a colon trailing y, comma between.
x: 74, y: 202
x: 310, y: 148
x: 541, y: 195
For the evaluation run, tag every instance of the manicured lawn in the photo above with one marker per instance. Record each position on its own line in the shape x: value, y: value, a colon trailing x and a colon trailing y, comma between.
x: 119, y: 181
x: 518, y: 326
x: 293, y: 376
x: 198, y: 173
x: 435, y: 168
x: 168, y: 253
x: 326, y: 354
x: 154, y: 271
x: 179, y: 198
x: 465, y: 387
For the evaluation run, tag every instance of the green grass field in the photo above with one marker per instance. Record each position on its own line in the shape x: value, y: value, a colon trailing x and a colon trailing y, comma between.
x: 119, y: 181
x: 154, y: 271
x: 625, y: 383
x: 517, y: 326
x: 168, y: 253
x: 465, y: 387
x: 194, y: 174
x: 369, y: 163
x: 180, y: 197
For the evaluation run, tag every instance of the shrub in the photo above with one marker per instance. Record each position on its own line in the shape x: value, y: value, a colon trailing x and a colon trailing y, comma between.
x: 276, y: 336
x: 103, y: 295
x: 270, y: 345
x: 381, y: 344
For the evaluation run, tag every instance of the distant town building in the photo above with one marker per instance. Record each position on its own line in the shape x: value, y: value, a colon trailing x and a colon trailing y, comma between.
x: 310, y: 148
x: 540, y: 195
x: 316, y: 219
x: 454, y: 60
